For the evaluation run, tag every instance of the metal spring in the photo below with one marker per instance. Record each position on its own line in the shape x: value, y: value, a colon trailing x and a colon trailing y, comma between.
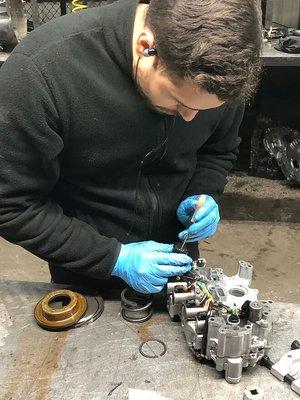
x: 136, y: 307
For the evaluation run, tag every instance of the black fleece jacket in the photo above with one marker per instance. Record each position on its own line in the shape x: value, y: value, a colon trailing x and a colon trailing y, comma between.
x: 84, y: 162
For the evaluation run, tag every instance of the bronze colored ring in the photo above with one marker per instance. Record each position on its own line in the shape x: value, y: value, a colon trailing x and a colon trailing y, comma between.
x: 59, y: 318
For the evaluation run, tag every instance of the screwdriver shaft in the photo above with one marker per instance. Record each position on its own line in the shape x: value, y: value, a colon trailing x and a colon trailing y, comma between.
x: 200, y: 202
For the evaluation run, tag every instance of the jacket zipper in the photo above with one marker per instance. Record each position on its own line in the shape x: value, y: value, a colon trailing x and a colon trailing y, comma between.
x: 154, y: 200
x: 155, y: 216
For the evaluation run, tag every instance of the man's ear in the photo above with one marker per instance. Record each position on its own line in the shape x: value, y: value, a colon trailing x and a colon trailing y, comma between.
x: 144, y: 42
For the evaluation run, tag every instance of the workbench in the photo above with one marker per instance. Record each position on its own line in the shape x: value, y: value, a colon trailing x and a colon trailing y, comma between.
x: 275, y: 58
x: 102, y: 360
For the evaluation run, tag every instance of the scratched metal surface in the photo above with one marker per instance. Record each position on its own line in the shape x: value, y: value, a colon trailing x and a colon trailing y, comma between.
x: 89, y: 362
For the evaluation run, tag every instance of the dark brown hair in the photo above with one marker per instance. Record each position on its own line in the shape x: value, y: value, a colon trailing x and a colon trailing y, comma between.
x: 216, y: 43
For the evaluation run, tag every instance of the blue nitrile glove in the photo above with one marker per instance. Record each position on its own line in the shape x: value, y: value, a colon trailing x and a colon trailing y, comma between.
x: 206, y: 218
x: 146, y: 266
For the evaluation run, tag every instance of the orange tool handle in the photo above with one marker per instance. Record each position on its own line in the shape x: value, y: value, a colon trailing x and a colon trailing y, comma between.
x: 200, y: 203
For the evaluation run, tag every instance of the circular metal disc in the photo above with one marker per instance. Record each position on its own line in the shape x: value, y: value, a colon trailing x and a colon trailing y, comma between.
x: 52, y: 318
x: 95, y: 307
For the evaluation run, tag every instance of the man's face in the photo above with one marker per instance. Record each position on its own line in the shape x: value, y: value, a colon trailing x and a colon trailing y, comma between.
x: 180, y: 98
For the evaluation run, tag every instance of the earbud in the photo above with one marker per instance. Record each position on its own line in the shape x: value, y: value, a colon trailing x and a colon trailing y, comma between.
x: 150, y: 52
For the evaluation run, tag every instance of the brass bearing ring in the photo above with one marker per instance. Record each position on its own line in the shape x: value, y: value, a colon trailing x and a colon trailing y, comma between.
x: 74, y: 306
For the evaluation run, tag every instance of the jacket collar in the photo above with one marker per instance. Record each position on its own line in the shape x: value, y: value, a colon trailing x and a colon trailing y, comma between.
x: 118, y: 24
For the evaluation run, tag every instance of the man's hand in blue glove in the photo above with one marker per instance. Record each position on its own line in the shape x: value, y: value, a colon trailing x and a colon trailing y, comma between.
x: 205, y: 220
x: 146, y: 266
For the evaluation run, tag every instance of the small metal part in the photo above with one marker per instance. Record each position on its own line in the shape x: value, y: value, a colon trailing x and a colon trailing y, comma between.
x: 253, y: 393
x: 284, y: 145
x: 295, y: 345
x: 72, y: 307
x: 136, y: 307
x: 201, y: 263
x: 146, y: 342
x: 95, y: 307
x: 255, y: 311
x: 183, y: 244
x: 180, y: 248
x: 245, y: 271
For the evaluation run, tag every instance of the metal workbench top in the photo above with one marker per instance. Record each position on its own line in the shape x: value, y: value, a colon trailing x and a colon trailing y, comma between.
x: 275, y: 58
x: 87, y: 363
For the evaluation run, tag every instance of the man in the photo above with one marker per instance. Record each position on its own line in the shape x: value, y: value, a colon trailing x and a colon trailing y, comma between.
x: 113, y: 123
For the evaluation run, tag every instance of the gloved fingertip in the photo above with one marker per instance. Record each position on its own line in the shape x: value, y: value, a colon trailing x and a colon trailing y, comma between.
x: 184, y: 259
x: 184, y: 270
x: 169, y: 248
x: 157, y: 289
x: 182, y: 235
x: 163, y: 247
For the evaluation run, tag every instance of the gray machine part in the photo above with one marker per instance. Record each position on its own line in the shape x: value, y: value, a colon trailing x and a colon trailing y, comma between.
x: 222, y: 318
x: 284, y: 145
x: 13, y: 23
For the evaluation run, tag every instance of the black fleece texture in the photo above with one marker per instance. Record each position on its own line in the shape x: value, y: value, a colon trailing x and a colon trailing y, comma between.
x: 83, y: 167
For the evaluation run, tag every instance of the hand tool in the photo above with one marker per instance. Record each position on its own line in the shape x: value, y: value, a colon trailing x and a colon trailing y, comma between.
x: 200, y: 203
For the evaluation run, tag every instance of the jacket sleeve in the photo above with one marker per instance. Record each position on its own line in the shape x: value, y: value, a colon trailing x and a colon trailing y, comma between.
x: 30, y: 147
x: 216, y: 156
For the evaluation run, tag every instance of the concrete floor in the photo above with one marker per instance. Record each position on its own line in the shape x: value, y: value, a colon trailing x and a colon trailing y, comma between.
x: 273, y: 249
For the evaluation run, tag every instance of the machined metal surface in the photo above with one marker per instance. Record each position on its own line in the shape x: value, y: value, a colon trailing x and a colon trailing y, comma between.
x: 95, y: 307
x: 222, y: 318
x: 72, y: 308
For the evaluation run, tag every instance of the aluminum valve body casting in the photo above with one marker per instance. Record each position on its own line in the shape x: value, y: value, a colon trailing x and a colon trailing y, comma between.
x: 223, y: 321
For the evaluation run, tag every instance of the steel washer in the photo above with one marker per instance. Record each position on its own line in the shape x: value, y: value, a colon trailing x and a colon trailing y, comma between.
x: 95, y: 307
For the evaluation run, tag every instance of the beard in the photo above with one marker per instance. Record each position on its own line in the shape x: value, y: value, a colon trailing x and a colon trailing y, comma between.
x: 144, y: 93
